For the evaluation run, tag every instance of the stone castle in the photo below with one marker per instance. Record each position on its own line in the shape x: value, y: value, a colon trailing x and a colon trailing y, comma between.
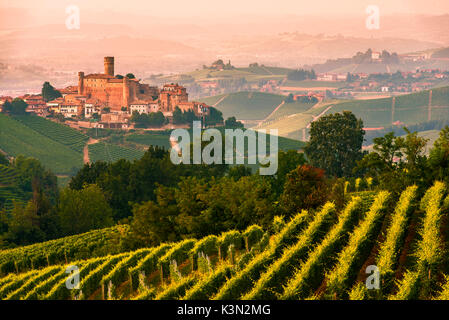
x: 115, y: 98
x: 114, y: 92
x: 122, y: 93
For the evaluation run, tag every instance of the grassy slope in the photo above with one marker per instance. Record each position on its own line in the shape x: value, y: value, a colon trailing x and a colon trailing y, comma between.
x: 55, y: 131
x: 110, y: 152
x: 247, y: 105
x: 16, y: 139
x: 409, y: 109
x: 290, y: 108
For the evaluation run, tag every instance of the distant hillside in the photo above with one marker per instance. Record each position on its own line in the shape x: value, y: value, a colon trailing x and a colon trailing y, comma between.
x: 409, y: 109
x: 441, y: 53
x: 246, y: 105
x: 252, y: 74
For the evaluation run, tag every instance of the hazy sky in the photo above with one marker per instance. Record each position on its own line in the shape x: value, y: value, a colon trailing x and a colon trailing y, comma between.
x: 194, y: 8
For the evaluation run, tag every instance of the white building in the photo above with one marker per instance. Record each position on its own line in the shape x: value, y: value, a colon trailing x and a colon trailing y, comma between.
x: 91, y: 107
x: 144, y: 107
x: 70, y: 110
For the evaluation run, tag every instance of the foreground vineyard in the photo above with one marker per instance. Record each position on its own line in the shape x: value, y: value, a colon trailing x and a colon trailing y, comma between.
x: 320, y: 254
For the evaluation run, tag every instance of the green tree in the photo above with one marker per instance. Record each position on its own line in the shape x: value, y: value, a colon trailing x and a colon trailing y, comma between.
x: 287, y: 162
x: 239, y: 171
x: 336, y: 143
x: 23, y: 226
x: 130, y: 76
x: 177, y: 116
x: 305, y: 188
x: 3, y: 160
x: 83, y: 210
x: 289, y: 98
x: 439, y: 156
x: 49, y: 92
x: 33, y: 177
x: 232, y: 123
x: 154, y: 222
x: 215, y: 116
x: 18, y: 107
x: 396, y: 161
x: 7, y: 107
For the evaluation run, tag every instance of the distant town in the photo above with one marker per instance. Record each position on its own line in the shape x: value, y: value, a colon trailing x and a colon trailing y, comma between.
x: 106, y: 100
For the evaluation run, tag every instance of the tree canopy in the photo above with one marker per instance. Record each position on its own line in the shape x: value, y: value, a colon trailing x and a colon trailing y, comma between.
x: 49, y: 92
x: 336, y: 143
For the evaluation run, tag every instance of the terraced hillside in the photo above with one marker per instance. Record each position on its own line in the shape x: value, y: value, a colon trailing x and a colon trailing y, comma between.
x: 314, y: 255
x: 17, y: 138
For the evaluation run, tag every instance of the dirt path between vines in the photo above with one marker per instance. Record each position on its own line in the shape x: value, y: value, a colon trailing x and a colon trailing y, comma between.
x: 86, y: 159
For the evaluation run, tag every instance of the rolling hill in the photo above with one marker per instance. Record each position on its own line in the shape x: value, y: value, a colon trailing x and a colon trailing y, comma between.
x: 17, y: 138
x: 315, y: 255
x: 251, y: 74
x: 410, y: 109
x: 246, y: 105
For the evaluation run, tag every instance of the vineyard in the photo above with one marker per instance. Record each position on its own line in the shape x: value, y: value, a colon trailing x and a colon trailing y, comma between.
x: 110, y: 152
x: 317, y: 254
x: 9, y: 192
x: 57, y: 132
x: 16, y: 138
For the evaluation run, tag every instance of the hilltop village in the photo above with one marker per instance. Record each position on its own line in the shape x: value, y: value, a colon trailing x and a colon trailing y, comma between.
x: 107, y: 100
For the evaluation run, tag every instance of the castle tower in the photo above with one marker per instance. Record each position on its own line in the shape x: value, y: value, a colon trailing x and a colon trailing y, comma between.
x: 109, y: 66
x: 80, y: 83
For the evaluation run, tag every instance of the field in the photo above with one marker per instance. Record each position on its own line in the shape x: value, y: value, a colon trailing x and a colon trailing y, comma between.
x: 288, y: 109
x: 57, y: 132
x: 246, y: 105
x: 314, y: 84
x: 250, y: 74
x: 109, y: 152
x: 409, y: 109
x: 17, y: 138
x: 314, y: 255
x: 150, y: 138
